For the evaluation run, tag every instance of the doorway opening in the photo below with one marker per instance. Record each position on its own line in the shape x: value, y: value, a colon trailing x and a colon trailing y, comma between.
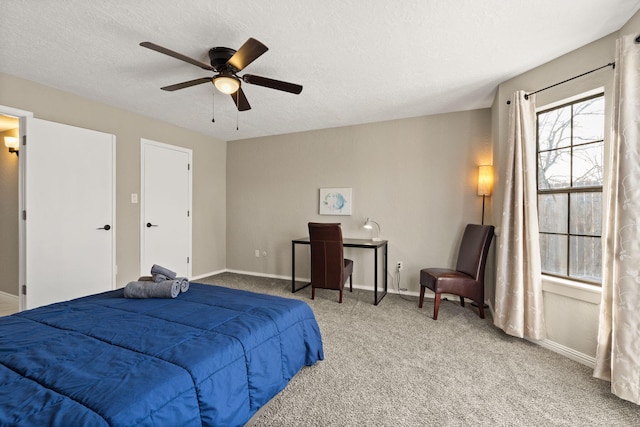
x: 9, y: 213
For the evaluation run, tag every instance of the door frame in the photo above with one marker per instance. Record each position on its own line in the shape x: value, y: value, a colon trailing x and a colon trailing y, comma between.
x: 147, y: 142
x: 21, y: 115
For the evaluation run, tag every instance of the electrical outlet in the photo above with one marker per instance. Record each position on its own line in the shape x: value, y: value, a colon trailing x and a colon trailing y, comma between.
x: 257, y: 253
x: 399, y: 266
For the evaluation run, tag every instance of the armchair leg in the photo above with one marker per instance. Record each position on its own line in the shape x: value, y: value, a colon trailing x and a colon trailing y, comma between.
x: 421, y: 297
x: 313, y: 293
x: 481, y: 308
x: 462, y: 301
x: 436, y: 307
x: 351, y: 283
x: 340, y: 300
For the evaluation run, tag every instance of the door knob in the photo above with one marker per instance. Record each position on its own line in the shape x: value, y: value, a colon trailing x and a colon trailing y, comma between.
x: 149, y: 225
x: 106, y: 227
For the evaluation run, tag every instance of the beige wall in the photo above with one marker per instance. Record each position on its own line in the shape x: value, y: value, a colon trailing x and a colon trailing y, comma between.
x: 632, y: 26
x: 571, y: 312
x: 8, y: 216
x: 416, y: 177
x: 209, y: 162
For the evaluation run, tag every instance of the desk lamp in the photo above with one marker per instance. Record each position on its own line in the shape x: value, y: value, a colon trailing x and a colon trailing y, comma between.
x: 368, y: 224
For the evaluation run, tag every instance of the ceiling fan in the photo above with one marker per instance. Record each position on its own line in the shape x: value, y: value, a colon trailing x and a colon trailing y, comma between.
x: 226, y: 63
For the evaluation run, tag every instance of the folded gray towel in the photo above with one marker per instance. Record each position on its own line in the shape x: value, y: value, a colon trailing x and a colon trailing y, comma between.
x: 157, y: 277
x: 146, y: 289
x: 145, y: 279
x: 156, y: 269
x: 184, y: 283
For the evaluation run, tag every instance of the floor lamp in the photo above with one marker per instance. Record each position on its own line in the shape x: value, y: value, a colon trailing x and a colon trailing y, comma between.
x: 485, y: 182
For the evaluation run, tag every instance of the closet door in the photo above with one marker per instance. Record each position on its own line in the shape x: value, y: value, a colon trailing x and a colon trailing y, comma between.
x: 166, y: 207
x: 69, y: 188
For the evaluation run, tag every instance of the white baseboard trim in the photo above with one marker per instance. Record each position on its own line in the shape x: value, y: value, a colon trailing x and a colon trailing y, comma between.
x: 253, y: 273
x: 7, y: 295
x: 390, y: 289
x: 202, y: 276
x: 559, y: 348
x: 566, y: 351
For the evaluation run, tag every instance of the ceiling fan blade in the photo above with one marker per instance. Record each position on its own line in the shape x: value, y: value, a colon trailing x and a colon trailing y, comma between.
x: 271, y: 83
x: 190, y: 83
x: 176, y: 55
x: 240, y: 100
x: 248, y: 52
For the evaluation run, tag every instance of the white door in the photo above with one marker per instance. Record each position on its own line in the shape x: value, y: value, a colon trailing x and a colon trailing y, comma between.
x: 165, y: 208
x: 68, y: 197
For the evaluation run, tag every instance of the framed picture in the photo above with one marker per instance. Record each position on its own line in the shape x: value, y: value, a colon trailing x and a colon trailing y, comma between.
x: 335, y: 201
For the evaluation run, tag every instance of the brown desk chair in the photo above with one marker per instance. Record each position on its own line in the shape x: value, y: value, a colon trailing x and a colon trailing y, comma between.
x: 467, y: 280
x: 329, y: 269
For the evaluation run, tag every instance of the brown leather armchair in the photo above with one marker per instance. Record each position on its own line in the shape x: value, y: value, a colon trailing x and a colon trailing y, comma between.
x: 467, y: 280
x: 329, y: 268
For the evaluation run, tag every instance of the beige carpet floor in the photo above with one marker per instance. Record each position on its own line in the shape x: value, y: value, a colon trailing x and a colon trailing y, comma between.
x: 392, y: 365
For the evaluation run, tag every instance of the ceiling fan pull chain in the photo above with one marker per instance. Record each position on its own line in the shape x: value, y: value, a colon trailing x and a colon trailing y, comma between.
x: 237, y: 119
x: 213, y: 105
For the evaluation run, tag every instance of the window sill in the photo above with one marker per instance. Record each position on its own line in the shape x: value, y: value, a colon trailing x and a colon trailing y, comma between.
x: 571, y: 289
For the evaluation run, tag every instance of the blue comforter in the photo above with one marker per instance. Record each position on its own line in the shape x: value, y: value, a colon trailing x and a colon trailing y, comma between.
x: 211, y: 356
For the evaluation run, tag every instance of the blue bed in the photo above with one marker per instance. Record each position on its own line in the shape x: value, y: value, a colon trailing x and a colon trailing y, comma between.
x: 211, y: 356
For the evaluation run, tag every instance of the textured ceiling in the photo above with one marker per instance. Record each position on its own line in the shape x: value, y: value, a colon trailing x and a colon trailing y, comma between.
x: 359, y: 61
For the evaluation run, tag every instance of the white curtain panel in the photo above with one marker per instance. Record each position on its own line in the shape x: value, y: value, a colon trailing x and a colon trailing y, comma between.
x: 618, y: 353
x: 518, y: 308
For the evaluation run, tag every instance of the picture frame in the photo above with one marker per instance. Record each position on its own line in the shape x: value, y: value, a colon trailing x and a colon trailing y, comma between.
x: 336, y: 201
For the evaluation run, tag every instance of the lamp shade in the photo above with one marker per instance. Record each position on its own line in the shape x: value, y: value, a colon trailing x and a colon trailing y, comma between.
x: 11, y: 142
x: 485, y: 180
x: 226, y: 84
x: 368, y: 224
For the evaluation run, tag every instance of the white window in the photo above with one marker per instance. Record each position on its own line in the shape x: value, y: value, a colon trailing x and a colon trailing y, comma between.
x: 570, y: 175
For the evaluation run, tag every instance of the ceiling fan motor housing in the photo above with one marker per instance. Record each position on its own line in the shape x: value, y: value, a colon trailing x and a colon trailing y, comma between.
x: 219, y: 56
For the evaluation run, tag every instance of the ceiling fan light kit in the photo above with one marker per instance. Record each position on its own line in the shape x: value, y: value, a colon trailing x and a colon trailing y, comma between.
x: 226, y: 63
x: 226, y: 84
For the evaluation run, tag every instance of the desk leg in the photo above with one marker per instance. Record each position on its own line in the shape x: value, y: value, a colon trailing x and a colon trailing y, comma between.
x: 376, y: 301
x: 385, y: 268
x: 375, y: 276
x: 293, y: 267
x: 293, y: 270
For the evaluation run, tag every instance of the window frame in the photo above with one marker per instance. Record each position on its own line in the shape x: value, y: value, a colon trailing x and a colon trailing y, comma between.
x: 571, y: 189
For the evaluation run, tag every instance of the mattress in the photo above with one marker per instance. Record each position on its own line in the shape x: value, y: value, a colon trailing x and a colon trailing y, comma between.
x: 212, y: 356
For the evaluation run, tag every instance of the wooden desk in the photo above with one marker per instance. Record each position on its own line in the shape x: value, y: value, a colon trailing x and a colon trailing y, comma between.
x: 349, y: 243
